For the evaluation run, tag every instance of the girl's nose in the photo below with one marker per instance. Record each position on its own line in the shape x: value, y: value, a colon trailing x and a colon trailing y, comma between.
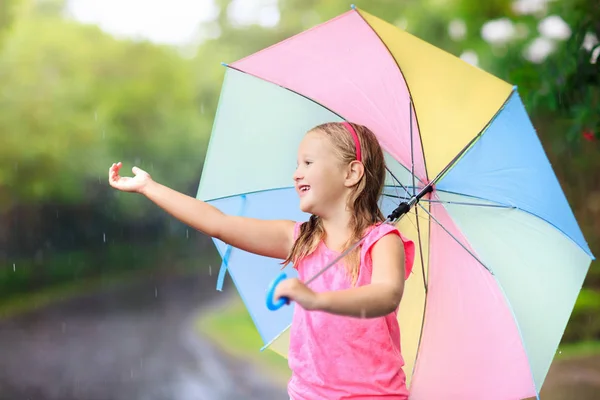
x: 297, y: 174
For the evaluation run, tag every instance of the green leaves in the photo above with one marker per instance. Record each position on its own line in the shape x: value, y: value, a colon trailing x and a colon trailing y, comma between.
x: 74, y: 99
x: 7, y: 15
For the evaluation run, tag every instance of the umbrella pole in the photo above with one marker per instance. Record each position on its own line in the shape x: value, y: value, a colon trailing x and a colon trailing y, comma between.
x: 398, y: 213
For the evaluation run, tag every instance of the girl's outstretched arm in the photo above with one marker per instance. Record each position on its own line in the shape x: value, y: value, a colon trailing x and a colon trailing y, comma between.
x: 381, y: 297
x: 271, y: 238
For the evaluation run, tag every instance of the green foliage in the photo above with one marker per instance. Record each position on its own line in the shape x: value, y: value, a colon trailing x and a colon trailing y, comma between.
x: 570, y: 82
x: 233, y: 330
x: 7, y: 11
x: 74, y: 100
x: 584, y: 324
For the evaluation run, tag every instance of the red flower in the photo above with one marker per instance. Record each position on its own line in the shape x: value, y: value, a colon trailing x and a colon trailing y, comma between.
x: 589, y: 136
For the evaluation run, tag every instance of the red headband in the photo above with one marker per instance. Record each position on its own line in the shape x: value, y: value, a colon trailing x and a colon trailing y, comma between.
x: 355, y: 136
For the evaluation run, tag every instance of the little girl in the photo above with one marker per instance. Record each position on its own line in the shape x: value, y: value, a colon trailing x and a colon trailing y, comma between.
x: 344, y: 338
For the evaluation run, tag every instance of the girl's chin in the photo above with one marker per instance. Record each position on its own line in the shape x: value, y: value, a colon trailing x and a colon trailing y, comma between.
x: 306, y: 206
x: 305, y: 209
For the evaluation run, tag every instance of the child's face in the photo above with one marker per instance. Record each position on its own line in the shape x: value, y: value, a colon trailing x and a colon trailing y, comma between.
x: 320, y: 175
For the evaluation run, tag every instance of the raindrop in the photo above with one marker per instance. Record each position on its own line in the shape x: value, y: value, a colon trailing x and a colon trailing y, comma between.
x: 560, y: 352
x: 131, y: 374
x: 16, y: 166
x: 187, y: 233
x: 155, y: 292
x: 210, y: 270
x: 202, y: 108
x: 56, y: 214
x: 103, y: 134
x: 14, y: 267
x: 104, y: 237
x: 64, y: 327
x: 141, y: 363
x: 363, y: 313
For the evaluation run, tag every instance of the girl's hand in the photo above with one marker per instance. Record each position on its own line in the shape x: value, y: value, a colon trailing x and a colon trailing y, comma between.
x: 128, y: 184
x: 297, y: 291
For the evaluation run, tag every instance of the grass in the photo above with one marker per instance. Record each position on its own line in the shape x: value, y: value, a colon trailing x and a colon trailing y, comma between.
x: 232, y: 330
x: 27, y: 302
x: 579, y: 349
x: 23, y: 303
x: 60, y: 291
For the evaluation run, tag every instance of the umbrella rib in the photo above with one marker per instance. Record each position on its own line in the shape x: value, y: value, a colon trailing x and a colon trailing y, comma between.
x: 412, y: 148
x: 409, y: 94
x: 288, y: 89
x: 425, y: 275
x: 398, y: 180
x: 268, y: 344
x: 472, y: 142
x: 462, y: 203
x: 456, y: 239
x: 518, y: 209
x: 425, y: 278
x: 425, y: 283
x: 497, y: 203
x: 230, y: 196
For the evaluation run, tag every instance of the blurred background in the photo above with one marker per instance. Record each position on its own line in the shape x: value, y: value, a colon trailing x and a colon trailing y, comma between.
x: 103, y: 295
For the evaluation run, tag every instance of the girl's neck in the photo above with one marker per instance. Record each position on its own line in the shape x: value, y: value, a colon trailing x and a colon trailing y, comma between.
x: 337, y: 230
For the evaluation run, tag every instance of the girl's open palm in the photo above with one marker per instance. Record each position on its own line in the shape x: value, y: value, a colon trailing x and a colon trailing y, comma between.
x: 125, y: 183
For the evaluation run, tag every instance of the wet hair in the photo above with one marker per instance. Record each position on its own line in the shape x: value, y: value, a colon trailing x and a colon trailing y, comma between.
x: 363, y: 200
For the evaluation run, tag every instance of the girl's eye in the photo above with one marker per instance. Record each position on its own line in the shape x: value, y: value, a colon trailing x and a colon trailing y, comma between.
x: 307, y: 162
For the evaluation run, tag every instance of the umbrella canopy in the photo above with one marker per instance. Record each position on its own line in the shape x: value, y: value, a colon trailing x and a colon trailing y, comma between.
x: 500, y: 257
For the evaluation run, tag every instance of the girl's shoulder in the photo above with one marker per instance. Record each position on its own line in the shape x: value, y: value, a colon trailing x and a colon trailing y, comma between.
x: 297, y: 227
x: 381, y: 229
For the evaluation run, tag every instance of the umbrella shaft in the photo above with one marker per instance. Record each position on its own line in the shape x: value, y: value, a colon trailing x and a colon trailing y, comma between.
x: 405, y: 207
x: 338, y: 258
x: 400, y: 211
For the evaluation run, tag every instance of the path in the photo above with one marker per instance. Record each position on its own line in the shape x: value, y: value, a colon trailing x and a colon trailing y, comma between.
x: 135, y: 342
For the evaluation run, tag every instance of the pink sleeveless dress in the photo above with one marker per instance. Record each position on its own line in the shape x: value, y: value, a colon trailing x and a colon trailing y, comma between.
x: 336, y: 357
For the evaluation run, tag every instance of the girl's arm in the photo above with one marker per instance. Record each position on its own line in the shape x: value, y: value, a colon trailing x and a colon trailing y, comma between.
x: 271, y: 238
x: 381, y: 297
x: 268, y: 238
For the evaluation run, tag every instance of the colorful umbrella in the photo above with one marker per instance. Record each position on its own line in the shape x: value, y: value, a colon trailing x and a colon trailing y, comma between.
x: 500, y: 256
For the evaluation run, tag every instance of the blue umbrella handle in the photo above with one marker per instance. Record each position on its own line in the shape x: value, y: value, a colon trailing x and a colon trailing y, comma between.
x: 271, y: 292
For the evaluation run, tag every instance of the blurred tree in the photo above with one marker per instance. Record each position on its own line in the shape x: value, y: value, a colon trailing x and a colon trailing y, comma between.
x: 72, y: 101
x: 7, y: 12
x: 49, y: 8
x: 81, y: 99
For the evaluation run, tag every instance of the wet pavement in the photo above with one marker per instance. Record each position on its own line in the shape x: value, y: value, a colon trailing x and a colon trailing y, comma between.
x: 138, y: 342
x: 129, y: 343
x: 576, y: 378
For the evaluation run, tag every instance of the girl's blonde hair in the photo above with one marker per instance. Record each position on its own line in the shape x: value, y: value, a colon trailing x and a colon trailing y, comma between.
x: 363, y: 200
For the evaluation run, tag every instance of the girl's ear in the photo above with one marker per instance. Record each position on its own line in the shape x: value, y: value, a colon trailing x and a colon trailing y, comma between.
x: 354, y: 173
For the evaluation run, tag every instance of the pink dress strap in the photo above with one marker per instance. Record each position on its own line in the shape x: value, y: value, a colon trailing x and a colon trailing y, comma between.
x: 376, y: 232
x: 297, y: 229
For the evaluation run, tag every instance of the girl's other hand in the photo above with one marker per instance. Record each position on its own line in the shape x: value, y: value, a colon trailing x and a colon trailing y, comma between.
x: 137, y: 183
x: 297, y: 291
